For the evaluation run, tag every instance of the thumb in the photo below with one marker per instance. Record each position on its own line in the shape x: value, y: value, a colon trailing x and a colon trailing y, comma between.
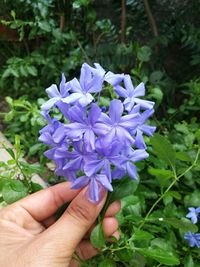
x: 69, y: 230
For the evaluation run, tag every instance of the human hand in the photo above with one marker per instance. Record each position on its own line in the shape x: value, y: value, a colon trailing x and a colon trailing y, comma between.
x: 30, y: 236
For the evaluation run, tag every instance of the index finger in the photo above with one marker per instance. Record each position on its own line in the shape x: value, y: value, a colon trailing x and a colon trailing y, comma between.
x: 43, y: 204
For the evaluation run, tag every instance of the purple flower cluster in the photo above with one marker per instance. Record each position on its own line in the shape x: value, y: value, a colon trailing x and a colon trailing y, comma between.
x: 91, y: 145
x: 193, y: 239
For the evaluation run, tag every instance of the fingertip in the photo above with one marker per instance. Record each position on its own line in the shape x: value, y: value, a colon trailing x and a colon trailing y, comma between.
x: 110, y: 225
x: 113, y: 209
x: 116, y: 235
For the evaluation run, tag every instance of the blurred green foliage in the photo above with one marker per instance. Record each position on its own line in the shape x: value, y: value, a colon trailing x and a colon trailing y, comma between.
x: 40, y: 39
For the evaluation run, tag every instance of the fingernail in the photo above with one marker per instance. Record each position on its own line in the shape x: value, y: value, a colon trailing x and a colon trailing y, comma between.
x: 95, y: 197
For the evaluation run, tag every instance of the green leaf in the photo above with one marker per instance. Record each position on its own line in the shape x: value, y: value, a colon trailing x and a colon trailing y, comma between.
x: 13, y: 14
x: 35, y: 167
x: 36, y: 187
x: 156, y: 93
x: 183, y: 156
x: 123, y: 188
x: 44, y: 25
x: 2, y: 183
x: 142, y: 235
x: 197, y: 135
x: 156, y: 76
x: 129, y: 200
x: 167, y: 199
x: 188, y: 261
x: 162, y: 256
x: 163, y: 149
x: 17, y: 146
x: 9, y: 116
x: 124, y: 254
x: 97, y: 237
x: 144, y: 53
x: 161, y: 173
x: 10, y: 152
x: 35, y: 148
x: 32, y: 70
x: 107, y: 263
x: 192, y: 199
x: 183, y: 224
x: 13, y: 191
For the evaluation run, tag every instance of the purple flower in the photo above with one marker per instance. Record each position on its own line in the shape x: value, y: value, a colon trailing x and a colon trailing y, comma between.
x: 93, y: 145
x: 142, y: 126
x: 194, y: 239
x: 131, y: 94
x: 109, y: 77
x: 82, y: 126
x: 95, y: 183
x: 113, y: 79
x: 52, y: 134
x: 107, y: 155
x: 129, y: 167
x: 115, y: 125
x: 193, y: 214
x: 90, y: 82
x: 57, y: 98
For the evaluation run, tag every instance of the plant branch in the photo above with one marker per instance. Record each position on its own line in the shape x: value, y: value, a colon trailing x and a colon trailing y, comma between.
x: 177, y: 178
x: 123, y: 22
x: 151, y: 19
x: 83, y: 51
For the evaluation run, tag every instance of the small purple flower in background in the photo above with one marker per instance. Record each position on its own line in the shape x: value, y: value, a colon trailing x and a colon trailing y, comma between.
x: 193, y: 239
x: 193, y: 214
x: 93, y: 145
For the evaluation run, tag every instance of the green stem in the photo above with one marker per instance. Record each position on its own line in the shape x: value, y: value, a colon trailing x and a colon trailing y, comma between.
x: 176, y: 179
x: 26, y: 179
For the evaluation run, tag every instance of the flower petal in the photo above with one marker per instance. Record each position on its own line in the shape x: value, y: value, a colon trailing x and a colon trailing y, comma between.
x: 147, y: 129
x: 72, y: 98
x: 138, y: 154
x: 94, y: 190
x: 75, y: 86
x: 139, y: 141
x: 103, y: 179
x: 145, y: 104
x: 128, y: 85
x: 52, y: 91
x: 73, y: 164
x: 89, y: 139
x: 80, y: 182
x: 130, y: 121
x: 75, y: 130
x: 113, y: 79
x: 94, y: 114
x: 139, y: 90
x: 84, y: 100
x: 115, y: 110
x: 120, y: 91
x: 50, y: 103
x: 131, y: 170
x: 93, y: 166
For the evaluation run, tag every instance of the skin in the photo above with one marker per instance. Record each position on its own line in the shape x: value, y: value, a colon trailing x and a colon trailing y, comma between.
x: 30, y: 236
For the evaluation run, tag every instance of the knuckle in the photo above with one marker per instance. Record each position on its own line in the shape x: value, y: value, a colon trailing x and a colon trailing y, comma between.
x: 80, y: 212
